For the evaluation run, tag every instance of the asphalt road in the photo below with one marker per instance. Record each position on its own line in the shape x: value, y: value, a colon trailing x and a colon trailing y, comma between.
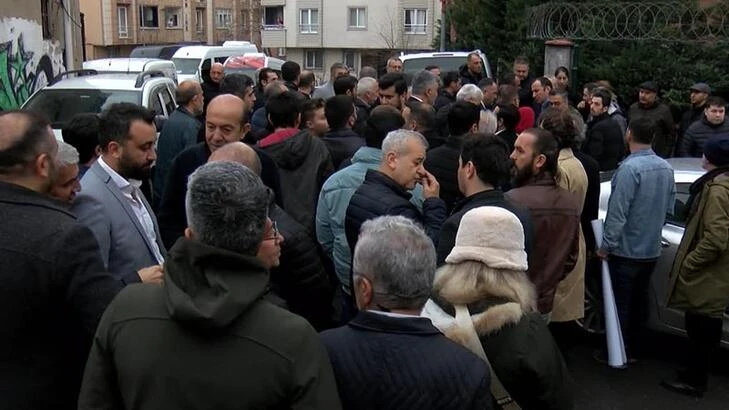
x: 599, y: 387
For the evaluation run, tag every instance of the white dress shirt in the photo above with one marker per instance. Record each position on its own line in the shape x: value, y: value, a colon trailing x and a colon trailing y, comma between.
x: 130, y: 190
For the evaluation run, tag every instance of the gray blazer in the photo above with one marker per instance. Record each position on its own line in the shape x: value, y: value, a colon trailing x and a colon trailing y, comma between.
x: 102, y: 207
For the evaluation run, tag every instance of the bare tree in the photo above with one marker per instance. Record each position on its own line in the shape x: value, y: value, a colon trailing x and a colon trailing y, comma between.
x: 392, y: 32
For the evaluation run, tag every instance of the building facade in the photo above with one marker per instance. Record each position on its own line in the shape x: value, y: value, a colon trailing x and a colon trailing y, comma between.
x: 39, y: 40
x: 318, y: 33
x: 115, y: 27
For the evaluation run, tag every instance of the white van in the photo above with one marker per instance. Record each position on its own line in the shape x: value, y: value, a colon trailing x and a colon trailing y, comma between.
x: 249, y: 64
x: 194, y: 62
x: 132, y: 66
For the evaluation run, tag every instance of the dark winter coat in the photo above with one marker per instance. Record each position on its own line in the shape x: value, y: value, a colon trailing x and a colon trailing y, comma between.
x: 178, y: 133
x: 304, y: 163
x: 592, y: 198
x: 54, y: 290
x: 493, y: 197
x: 210, y: 91
x: 442, y: 162
x: 342, y: 144
x: 467, y: 77
x: 665, y: 135
x: 444, y: 98
x: 300, y: 280
x: 363, y: 113
x: 692, y: 144
x: 604, y: 142
x: 388, y: 363
x: 379, y: 195
x: 689, y: 117
x: 517, y: 342
x: 206, y: 340
x: 526, y: 98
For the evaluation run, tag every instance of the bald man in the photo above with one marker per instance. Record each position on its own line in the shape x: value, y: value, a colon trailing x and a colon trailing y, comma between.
x: 54, y: 286
x: 178, y: 133
x: 300, y: 279
x: 211, y: 85
x: 226, y: 121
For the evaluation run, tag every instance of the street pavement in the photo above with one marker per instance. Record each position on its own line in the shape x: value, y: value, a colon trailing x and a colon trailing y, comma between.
x: 598, y: 387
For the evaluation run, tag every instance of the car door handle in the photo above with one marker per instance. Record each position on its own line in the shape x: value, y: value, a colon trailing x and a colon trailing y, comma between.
x: 665, y: 243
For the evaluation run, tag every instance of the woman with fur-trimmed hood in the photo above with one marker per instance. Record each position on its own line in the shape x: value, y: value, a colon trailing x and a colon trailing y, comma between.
x: 485, y: 277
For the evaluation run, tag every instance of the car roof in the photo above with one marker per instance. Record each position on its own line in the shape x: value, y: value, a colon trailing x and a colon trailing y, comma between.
x: 685, y: 170
x: 105, y: 82
x: 463, y: 54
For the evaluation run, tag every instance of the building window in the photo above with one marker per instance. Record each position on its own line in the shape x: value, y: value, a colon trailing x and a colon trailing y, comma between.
x: 358, y: 18
x: 122, y: 19
x: 172, y: 17
x: 313, y: 59
x: 200, y: 20
x: 415, y: 21
x: 223, y: 18
x: 45, y: 20
x: 309, y: 21
x: 273, y: 18
x: 349, y: 58
x: 148, y: 17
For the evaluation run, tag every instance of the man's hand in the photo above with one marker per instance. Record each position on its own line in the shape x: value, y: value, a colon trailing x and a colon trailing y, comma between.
x: 152, y: 274
x: 581, y: 105
x: 431, y: 187
x: 602, y: 254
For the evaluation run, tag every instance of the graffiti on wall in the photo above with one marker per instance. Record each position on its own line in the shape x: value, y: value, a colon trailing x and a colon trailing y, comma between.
x: 27, y: 61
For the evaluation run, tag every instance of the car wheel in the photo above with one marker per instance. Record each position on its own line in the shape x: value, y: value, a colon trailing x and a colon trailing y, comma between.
x: 594, y: 319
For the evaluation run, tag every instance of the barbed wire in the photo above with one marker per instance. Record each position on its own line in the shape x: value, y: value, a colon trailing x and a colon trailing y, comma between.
x: 667, y: 21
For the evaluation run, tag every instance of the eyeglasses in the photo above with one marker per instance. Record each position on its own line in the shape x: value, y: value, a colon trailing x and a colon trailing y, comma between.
x: 274, y: 229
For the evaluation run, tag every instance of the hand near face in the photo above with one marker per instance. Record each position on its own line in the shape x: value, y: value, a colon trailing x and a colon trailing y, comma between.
x: 431, y: 187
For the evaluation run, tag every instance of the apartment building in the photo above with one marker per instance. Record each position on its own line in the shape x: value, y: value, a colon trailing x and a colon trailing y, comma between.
x: 115, y: 27
x: 318, y: 33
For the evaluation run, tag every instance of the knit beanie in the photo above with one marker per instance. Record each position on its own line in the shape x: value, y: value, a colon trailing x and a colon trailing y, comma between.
x: 716, y: 150
x: 493, y: 236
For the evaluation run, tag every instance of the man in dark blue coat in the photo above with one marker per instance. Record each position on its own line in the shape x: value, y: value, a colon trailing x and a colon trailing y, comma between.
x: 388, y: 357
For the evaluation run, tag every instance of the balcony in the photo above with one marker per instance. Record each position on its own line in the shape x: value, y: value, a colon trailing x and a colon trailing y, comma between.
x: 273, y: 37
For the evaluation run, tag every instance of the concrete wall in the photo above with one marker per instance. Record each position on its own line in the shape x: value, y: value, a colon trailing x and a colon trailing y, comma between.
x: 27, y: 59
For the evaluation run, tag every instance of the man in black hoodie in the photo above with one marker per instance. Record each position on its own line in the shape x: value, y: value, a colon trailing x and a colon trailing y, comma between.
x: 341, y: 140
x: 207, y: 338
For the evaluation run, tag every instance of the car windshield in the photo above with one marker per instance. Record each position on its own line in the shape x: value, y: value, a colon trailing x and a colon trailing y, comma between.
x: 59, y: 105
x: 446, y: 63
x: 186, y: 66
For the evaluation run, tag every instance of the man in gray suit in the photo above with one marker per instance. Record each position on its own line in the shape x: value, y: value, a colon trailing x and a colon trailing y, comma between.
x: 111, y: 203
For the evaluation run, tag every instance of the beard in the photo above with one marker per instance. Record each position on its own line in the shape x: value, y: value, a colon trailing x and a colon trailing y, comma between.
x: 520, y: 177
x: 130, y: 170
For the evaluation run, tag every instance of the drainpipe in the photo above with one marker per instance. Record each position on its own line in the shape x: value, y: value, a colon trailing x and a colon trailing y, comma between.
x: 68, y: 36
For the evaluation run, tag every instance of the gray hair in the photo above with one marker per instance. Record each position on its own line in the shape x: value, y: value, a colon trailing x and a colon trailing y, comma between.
x: 366, y: 84
x: 368, y: 71
x: 422, y: 81
x: 398, y: 258
x: 227, y: 207
x: 488, y: 122
x: 470, y: 93
x: 67, y: 154
x: 395, y: 140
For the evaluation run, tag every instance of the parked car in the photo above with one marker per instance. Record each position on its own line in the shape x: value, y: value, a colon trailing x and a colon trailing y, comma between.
x: 132, y: 66
x: 447, y: 61
x: 93, y: 92
x: 661, y: 318
x: 250, y: 63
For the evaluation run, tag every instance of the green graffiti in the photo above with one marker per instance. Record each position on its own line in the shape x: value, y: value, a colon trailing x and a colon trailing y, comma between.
x: 16, y: 80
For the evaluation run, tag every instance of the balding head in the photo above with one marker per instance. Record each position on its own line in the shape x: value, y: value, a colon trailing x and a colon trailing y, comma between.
x: 240, y: 153
x: 226, y: 121
x: 217, y: 72
x: 189, y: 94
x: 28, y: 150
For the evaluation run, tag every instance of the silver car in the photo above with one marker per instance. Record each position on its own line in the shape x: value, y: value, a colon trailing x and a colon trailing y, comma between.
x: 661, y: 318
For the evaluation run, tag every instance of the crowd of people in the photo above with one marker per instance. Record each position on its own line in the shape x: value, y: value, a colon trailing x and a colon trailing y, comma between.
x: 392, y: 242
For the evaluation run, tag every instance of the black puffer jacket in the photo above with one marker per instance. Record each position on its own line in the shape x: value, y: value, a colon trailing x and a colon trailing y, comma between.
x: 444, y: 98
x: 300, y: 280
x: 379, y: 195
x: 342, y: 144
x: 304, y: 163
x: 442, y: 162
x: 692, y: 144
x: 604, y: 142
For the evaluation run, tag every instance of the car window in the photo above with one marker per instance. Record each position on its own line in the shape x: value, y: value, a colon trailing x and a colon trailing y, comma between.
x: 186, y: 66
x: 168, y: 101
x: 220, y: 60
x: 413, y: 65
x: 59, y: 105
x: 154, y: 101
x: 680, y: 211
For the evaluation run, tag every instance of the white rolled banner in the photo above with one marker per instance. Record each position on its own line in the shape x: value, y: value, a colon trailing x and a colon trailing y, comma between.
x: 615, y: 345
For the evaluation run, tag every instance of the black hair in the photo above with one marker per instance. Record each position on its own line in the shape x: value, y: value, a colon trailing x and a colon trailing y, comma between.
x: 290, y: 71
x: 26, y: 147
x: 308, y: 108
x: 590, y: 87
x: 521, y: 60
x: 343, y: 84
x: 561, y: 124
x: 338, y: 109
x: 382, y: 120
x: 307, y: 79
x: 423, y: 114
x: 462, y: 116
x: 486, y: 82
x: 544, y: 81
x: 507, y: 94
x: 283, y: 110
x: 715, y: 101
x: 490, y: 157
x: 603, y: 95
x: 82, y: 133
x: 236, y: 84
x: 642, y: 130
x: 507, y: 78
x: 451, y: 77
x: 393, y: 79
x: 431, y: 67
x: 545, y: 144
x: 114, y: 123
x: 510, y: 115
x: 263, y: 74
x: 562, y: 69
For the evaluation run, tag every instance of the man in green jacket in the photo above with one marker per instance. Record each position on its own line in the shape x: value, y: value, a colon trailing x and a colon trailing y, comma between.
x: 700, y: 278
x: 207, y: 339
